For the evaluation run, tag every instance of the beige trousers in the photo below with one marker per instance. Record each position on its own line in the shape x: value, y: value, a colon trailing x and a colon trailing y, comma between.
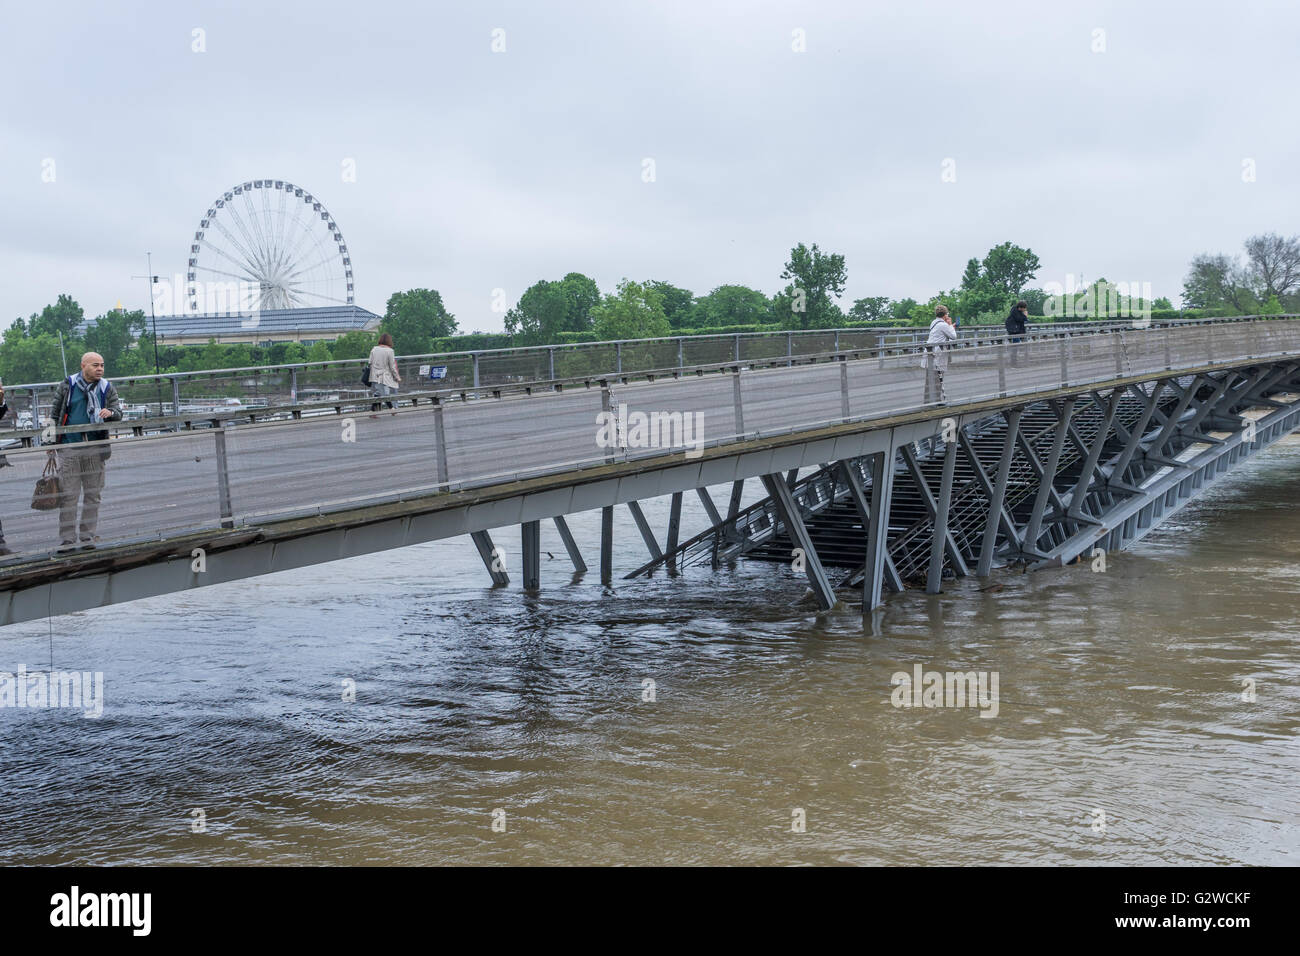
x: 81, y: 472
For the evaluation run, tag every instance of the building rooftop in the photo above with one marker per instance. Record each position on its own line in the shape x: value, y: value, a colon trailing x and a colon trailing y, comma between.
x: 340, y: 318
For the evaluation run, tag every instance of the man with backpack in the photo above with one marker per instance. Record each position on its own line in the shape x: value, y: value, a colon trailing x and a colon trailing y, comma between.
x: 86, y: 398
x: 1016, y: 323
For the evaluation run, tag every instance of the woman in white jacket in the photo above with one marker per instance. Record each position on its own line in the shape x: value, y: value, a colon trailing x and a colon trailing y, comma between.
x: 942, y: 334
x: 384, y: 378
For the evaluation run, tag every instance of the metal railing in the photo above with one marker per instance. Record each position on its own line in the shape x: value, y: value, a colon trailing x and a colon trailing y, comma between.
x: 164, y: 485
x: 195, y: 393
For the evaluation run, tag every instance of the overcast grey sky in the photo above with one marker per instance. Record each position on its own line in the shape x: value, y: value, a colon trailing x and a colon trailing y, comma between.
x: 478, y: 170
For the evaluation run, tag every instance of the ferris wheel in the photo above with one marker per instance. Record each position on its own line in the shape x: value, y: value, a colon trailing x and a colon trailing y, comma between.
x: 273, y: 242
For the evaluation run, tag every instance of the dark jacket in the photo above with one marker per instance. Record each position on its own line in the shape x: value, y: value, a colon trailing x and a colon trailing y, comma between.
x: 111, y: 402
x: 1016, y: 323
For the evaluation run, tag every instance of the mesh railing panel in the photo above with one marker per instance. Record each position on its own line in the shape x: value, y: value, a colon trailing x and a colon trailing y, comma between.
x: 756, y: 348
x: 708, y: 350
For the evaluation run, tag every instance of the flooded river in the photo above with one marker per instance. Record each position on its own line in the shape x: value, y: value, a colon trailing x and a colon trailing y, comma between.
x: 711, y: 718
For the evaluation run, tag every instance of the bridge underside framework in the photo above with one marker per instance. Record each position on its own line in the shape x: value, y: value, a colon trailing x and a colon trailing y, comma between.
x: 1039, y: 484
x: 874, y: 491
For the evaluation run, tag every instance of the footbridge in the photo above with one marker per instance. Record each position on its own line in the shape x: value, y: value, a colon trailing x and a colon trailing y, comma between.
x: 875, y: 474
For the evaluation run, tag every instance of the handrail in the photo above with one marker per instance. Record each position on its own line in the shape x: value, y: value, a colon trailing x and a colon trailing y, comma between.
x: 914, y: 331
x: 297, y: 409
x: 166, y: 425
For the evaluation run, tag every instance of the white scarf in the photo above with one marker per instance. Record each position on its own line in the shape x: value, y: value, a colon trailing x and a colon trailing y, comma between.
x: 93, y: 404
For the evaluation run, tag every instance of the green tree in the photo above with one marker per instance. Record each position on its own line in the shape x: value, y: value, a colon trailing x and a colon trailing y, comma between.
x: 548, y: 308
x: 112, y: 333
x: 679, y: 304
x: 236, y: 356
x: 415, y: 317
x: 1008, y: 268
x: 636, y: 311
x: 734, y: 305
x: 900, y: 310
x: 923, y: 313
x: 1273, y: 265
x: 134, y: 362
x: 1217, y: 283
x: 816, y: 278
x: 993, y: 285
x: 27, y: 358
x: 980, y: 299
x: 1035, y: 299
x: 354, y: 344
x: 319, y: 352
x: 541, y: 314
x: 63, y: 316
x: 1163, y: 304
x: 871, y: 309
x: 583, y: 296
x: 1101, y: 300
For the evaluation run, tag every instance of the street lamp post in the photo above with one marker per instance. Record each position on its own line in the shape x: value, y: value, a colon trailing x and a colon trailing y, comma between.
x: 157, y: 368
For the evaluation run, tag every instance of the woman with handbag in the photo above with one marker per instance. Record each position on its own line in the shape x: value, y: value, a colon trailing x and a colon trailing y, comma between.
x: 384, y: 378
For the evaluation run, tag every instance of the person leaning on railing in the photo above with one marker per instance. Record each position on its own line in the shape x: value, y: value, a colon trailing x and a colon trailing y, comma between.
x: 1016, y: 325
x: 83, y: 399
x: 942, y: 334
x: 384, y: 378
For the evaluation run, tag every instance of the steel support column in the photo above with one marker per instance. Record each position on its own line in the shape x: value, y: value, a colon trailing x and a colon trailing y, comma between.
x: 998, y: 495
x: 935, y: 576
x: 882, y: 491
x: 674, y: 530
x: 491, y: 558
x: 570, y: 545
x: 788, y: 511
x: 918, y: 476
x: 530, y: 535
x: 1135, y: 435
x: 870, y: 515
x: 1048, y: 475
x: 644, y: 527
x: 714, y: 518
x: 607, y: 545
x: 1080, y: 491
x: 1157, y: 446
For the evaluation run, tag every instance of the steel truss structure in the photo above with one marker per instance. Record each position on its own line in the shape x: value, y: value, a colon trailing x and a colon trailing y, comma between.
x: 1040, y: 484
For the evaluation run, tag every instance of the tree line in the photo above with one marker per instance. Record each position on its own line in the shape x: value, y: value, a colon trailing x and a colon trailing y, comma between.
x: 1265, y: 281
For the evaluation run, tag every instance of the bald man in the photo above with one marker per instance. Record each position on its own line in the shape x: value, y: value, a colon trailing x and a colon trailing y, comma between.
x: 86, y: 398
